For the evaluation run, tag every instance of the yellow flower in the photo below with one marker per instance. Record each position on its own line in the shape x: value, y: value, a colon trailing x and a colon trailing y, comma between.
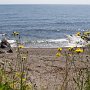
x: 58, y: 54
x: 12, y: 85
x: 24, y: 79
x: 15, y: 33
x: 71, y: 48
x: 78, y: 34
x: 18, y: 74
x: 29, y: 86
x: 59, y: 49
x: 79, y: 50
x: 24, y: 58
x: 86, y: 33
x: 20, y: 46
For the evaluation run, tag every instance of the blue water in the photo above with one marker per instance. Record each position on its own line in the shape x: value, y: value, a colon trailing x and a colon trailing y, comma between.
x: 43, y: 23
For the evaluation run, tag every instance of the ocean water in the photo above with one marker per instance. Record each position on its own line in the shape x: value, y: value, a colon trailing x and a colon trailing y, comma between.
x: 44, y: 25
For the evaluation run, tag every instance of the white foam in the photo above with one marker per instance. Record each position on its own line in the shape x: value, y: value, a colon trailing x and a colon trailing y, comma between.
x: 12, y: 43
x: 57, y: 40
x: 70, y: 41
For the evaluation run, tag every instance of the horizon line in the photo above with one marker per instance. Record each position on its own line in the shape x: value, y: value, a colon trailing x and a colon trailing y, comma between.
x: 40, y: 4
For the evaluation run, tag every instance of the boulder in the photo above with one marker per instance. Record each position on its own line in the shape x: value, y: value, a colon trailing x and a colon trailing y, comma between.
x: 6, y: 45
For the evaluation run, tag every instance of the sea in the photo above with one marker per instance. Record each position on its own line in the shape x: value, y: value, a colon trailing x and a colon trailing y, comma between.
x: 44, y: 25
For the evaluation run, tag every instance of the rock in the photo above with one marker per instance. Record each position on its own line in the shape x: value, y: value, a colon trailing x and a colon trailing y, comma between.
x: 10, y: 51
x: 6, y: 45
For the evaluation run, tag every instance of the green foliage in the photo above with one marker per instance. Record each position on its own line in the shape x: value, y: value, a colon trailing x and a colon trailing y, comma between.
x: 5, y: 86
